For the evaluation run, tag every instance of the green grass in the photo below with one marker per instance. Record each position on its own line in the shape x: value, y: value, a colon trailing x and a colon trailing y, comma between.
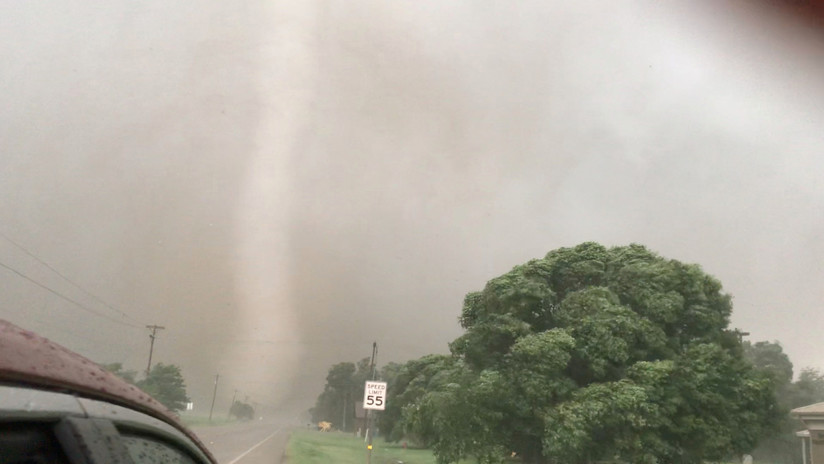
x: 311, y: 447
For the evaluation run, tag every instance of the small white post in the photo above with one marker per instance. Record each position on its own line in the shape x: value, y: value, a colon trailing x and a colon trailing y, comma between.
x: 804, y: 450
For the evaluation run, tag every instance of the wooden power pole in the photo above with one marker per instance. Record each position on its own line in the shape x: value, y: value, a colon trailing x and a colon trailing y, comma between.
x: 152, y: 336
x: 214, y: 395
x: 369, y: 413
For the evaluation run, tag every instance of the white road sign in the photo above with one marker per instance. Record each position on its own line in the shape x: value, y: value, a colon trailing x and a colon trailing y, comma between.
x: 374, y: 395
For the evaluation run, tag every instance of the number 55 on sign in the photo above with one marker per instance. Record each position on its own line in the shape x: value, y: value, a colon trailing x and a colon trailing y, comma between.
x: 374, y: 395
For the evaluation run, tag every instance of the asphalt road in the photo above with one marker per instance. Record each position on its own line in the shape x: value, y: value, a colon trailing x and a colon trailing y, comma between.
x: 246, y: 443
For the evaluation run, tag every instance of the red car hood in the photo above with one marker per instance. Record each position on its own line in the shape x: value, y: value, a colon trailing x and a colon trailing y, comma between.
x: 29, y: 359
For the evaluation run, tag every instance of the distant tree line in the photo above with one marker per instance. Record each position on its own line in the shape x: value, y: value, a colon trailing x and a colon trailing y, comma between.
x: 165, y: 383
x: 781, y: 446
x: 344, y: 387
x: 591, y: 354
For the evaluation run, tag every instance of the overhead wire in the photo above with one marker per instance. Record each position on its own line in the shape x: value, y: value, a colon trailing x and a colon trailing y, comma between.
x: 62, y: 276
x: 70, y: 300
x: 63, y: 330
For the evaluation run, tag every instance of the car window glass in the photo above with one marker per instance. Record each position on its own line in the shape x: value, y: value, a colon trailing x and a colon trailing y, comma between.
x: 144, y: 450
x: 30, y: 444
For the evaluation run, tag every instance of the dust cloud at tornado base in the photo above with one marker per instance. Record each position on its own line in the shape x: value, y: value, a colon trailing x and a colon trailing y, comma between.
x: 281, y: 185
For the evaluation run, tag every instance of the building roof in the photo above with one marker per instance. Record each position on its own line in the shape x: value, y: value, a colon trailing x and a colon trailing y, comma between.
x: 816, y: 409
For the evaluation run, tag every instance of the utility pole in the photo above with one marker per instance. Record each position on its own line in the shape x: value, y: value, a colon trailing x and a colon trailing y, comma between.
x: 374, y: 357
x: 343, y: 429
x: 214, y: 395
x: 152, y: 336
x: 369, y: 414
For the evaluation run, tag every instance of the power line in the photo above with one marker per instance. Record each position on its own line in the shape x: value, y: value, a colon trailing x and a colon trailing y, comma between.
x: 77, y: 286
x: 74, y: 302
x: 63, y: 330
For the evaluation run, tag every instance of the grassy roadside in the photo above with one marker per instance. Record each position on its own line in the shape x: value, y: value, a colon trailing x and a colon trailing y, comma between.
x: 311, y: 447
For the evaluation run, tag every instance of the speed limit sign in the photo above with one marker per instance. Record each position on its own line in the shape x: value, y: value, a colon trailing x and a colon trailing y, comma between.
x: 374, y: 395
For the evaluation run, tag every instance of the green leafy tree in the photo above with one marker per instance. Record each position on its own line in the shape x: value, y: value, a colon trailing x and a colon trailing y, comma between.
x: 781, y: 445
x: 457, y: 421
x: 593, y: 354
x: 770, y: 357
x: 336, y: 400
x: 808, y: 389
x: 165, y: 384
x: 407, y: 383
x: 390, y: 372
x: 344, y: 387
x: 340, y: 375
x: 362, y: 373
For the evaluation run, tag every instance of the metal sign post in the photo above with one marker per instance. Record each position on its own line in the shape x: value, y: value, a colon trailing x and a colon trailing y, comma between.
x: 371, y: 392
x: 374, y: 398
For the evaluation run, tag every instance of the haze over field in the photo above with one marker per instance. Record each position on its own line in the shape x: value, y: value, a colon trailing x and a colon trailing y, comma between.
x: 279, y: 184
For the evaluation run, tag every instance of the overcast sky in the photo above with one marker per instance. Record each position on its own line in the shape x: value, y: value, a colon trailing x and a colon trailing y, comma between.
x: 281, y: 183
